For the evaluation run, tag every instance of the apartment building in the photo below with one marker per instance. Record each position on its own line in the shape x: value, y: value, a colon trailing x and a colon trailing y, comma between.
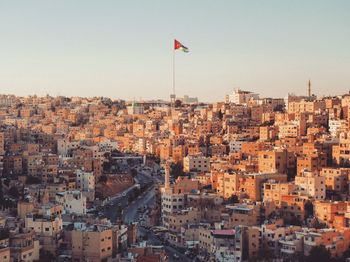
x: 196, y: 164
x: 336, y: 179
x: 73, y: 202
x: 92, y: 243
x: 311, y: 184
x: 274, y: 191
x: 24, y: 247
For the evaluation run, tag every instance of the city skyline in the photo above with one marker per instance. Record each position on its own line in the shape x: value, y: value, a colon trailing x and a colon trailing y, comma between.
x: 165, y: 131
x: 124, y: 50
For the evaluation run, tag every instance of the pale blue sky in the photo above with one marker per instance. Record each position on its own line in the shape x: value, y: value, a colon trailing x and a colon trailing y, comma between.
x: 123, y: 49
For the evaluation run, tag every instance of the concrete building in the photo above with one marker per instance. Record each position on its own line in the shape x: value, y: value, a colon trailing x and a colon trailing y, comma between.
x: 311, y: 184
x: 24, y: 247
x: 336, y: 179
x: 241, y: 97
x: 196, y: 164
x: 135, y: 109
x: 92, y: 243
x: 73, y: 202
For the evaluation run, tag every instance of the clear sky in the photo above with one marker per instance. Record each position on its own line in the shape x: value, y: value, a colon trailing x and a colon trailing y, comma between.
x: 123, y: 49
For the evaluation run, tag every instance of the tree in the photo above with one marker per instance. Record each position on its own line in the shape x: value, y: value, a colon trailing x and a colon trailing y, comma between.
x: 46, y: 256
x: 103, y: 179
x: 279, y: 108
x: 13, y: 191
x: 133, y: 172
x: 319, y: 254
x: 106, y: 166
x: 295, y: 221
x: 32, y: 180
x: 264, y: 254
x: 309, y: 208
x: 346, y: 254
x: 178, y: 103
x: 176, y: 170
x: 39, y: 197
x: 233, y: 199
x: 220, y: 115
x: 4, y: 233
x: 2, y: 200
x: 297, y: 256
x: 129, y: 161
x: 317, y: 224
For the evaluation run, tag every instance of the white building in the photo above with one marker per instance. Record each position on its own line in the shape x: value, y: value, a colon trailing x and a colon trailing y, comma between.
x: 189, y: 100
x: 73, y: 202
x: 291, y: 245
x: 135, y: 109
x: 241, y: 97
x: 336, y: 126
x: 7, y: 100
x: 86, y: 184
x: 85, y: 180
x: 172, y: 202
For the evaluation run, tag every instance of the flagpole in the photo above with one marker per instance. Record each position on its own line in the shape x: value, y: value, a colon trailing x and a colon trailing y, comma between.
x: 173, y: 76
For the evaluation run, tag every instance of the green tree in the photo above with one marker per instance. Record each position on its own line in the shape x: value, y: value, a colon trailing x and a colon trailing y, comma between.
x: 39, y: 197
x: 178, y: 103
x: 279, y: 108
x: 103, y: 179
x: 346, y: 254
x: 220, y: 115
x: 319, y: 254
x: 176, y: 170
x: 309, y: 208
x: 46, y: 256
x: 13, y: 191
x: 2, y: 200
x: 233, y: 199
x: 4, y: 233
x: 264, y: 254
x: 31, y: 180
x: 295, y: 221
x: 133, y: 172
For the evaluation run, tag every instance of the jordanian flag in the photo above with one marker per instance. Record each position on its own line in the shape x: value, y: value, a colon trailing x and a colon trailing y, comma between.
x: 178, y: 45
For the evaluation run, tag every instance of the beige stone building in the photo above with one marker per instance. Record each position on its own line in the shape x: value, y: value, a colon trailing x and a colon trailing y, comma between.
x: 93, y: 244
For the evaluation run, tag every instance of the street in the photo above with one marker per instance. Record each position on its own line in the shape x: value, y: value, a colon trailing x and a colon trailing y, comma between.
x: 145, y: 199
x: 131, y: 215
x: 120, y: 208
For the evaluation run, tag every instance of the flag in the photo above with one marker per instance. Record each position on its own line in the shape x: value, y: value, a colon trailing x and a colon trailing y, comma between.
x: 178, y: 45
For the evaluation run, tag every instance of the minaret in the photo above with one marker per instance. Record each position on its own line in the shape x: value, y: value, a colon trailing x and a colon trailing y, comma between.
x: 167, y: 176
x: 309, y: 89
